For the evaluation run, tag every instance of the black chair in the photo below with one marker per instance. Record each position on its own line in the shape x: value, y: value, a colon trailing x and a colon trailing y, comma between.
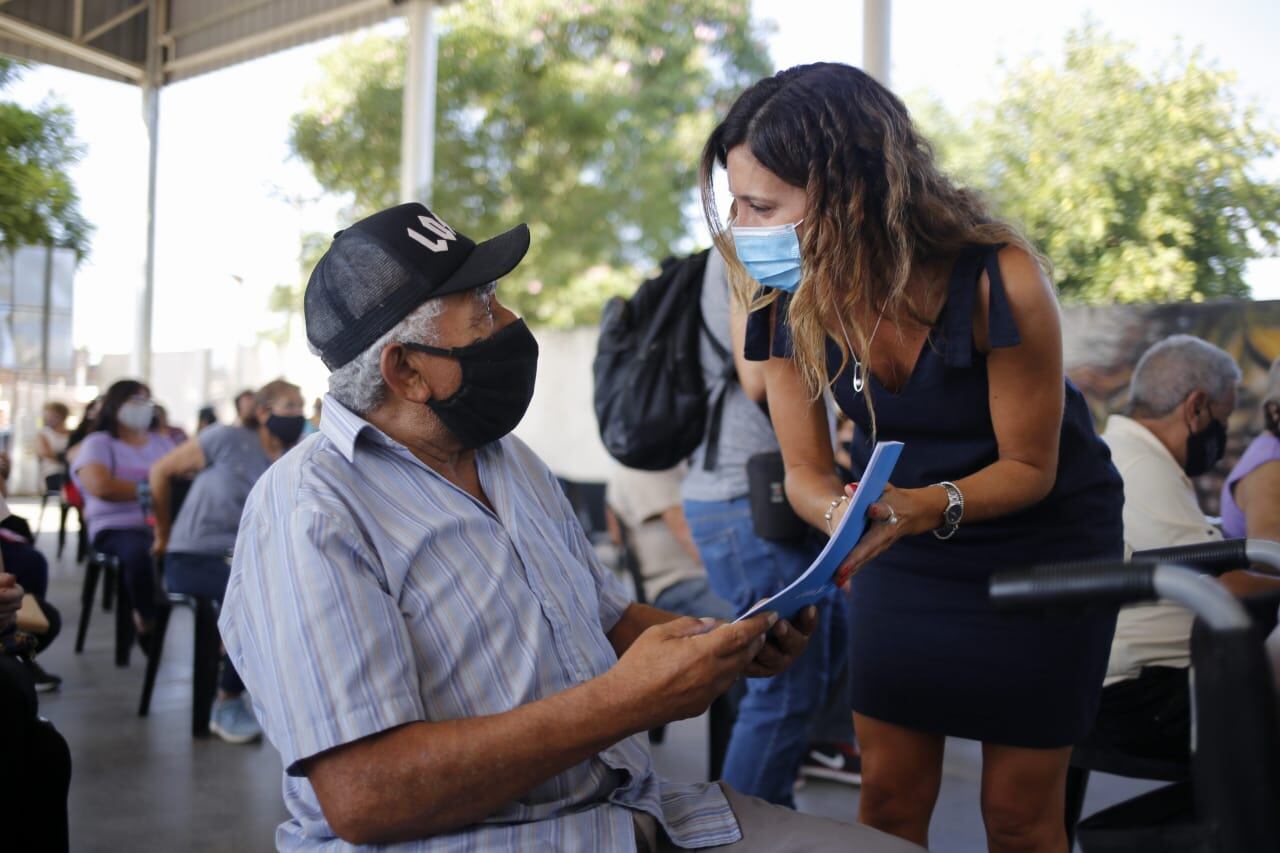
x: 1215, y: 558
x: 206, y: 655
x: 588, y: 503
x: 207, y: 645
x: 1228, y: 801
x: 113, y: 593
x: 53, y: 489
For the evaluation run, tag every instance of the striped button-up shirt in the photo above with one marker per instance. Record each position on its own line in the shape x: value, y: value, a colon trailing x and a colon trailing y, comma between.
x: 368, y: 592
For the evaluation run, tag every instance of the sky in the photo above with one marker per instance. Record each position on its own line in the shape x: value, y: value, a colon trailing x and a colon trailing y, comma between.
x: 233, y: 203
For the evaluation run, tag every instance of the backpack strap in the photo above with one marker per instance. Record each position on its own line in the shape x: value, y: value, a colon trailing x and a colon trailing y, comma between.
x: 716, y: 402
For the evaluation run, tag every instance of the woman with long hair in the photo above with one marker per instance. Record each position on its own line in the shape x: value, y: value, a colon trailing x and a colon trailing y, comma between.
x: 111, y: 467
x: 930, y: 321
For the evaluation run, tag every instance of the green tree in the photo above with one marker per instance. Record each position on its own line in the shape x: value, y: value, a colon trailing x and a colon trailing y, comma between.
x: 584, y: 119
x: 38, y: 200
x: 1140, y: 185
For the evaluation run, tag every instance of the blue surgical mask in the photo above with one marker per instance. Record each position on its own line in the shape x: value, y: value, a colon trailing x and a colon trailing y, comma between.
x: 771, y: 254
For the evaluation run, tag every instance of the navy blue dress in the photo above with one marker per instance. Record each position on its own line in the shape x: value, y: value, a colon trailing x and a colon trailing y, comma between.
x: 928, y: 650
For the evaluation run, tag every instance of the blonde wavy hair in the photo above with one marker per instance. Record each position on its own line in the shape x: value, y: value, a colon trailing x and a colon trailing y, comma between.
x: 877, y: 206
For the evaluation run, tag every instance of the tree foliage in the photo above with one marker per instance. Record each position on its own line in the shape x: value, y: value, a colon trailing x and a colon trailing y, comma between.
x: 584, y: 119
x: 1140, y: 185
x: 39, y: 204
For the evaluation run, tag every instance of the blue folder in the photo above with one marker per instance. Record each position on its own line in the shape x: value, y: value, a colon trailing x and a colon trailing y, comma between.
x: 816, y: 580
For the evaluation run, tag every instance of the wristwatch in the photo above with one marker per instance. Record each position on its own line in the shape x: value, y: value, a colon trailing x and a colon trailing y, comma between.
x: 953, y: 513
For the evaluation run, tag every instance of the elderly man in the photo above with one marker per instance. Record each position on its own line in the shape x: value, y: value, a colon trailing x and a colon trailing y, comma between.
x: 425, y: 632
x: 1181, y: 394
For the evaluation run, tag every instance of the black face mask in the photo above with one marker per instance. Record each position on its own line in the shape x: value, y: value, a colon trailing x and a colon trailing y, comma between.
x: 1205, y: 448
x: 287, y: 428
x: 498, y: 375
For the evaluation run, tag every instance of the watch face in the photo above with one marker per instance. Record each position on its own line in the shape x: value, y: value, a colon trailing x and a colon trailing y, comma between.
x: 952, y: 515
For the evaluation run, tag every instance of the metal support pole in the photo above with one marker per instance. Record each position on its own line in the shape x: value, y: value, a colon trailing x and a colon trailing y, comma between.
x: 151, y: 116
x: 875, y: 38
x: 417, y: 134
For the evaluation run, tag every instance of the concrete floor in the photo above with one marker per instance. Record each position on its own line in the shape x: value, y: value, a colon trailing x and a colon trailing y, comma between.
x: 145, y: 785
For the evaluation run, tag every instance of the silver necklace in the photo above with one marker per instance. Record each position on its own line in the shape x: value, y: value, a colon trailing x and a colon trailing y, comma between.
x: 859, y: 373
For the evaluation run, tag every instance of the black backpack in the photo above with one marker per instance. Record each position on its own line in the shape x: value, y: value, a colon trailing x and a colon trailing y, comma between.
x: 651, y: 398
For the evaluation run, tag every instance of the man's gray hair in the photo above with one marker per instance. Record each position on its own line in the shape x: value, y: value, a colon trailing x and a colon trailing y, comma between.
x: 358, y: 384
x: 1174, y: 368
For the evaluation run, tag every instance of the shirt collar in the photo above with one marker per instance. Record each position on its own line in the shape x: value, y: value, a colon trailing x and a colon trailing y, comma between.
x: 342, y: 426
x: 1119, y: 424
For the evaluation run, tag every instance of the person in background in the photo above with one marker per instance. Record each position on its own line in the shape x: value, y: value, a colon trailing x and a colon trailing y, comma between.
x: 1181, y: 394
x: 744, y: 568
x: 226, y: 461
x: 35, y: 757
x: 161, y: 426
x: 244, y: 406
x: 51, y: 445
x: 206, y: 418
x: 1251, y: 493
x: 88, y: 421
x: 111, y: 469
x: 646, y: 505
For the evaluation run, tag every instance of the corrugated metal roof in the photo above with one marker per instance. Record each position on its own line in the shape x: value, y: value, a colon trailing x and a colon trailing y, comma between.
x: 109, y: 38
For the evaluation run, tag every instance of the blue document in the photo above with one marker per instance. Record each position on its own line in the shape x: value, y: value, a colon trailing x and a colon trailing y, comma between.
x: 816, y: 580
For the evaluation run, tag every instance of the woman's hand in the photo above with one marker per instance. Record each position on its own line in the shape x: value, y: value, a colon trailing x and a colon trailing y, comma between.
x: 898, y: 513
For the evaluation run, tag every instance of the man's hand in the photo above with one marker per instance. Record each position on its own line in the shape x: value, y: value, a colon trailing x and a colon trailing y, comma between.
x: 786, y: 642
x: 675, y: 670
x: 10, y: 600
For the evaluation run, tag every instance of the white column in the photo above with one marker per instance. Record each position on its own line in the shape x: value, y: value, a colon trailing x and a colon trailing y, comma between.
x: 151, y: 117
x: 146, y: 300
x: 875, y: 38
x: 417, y: 135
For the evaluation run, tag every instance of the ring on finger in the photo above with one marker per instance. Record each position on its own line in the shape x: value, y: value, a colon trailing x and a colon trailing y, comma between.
x: 893, y: 516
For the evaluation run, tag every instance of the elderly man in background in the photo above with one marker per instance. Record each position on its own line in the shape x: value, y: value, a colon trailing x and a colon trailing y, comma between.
x: 427, y: 635
x: 1181, y: 395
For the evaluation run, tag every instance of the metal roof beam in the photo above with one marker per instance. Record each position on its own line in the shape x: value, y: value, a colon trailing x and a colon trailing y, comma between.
x: 41, y: 37
x: 267, y: 37
x: 112, y: 22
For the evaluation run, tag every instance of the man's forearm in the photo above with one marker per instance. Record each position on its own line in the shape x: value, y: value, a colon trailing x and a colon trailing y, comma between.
x: 425, y: 779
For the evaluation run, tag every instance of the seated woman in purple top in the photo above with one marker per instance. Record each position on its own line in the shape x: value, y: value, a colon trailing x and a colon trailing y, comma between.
x: 111, y: 469
x: 1251, y: 494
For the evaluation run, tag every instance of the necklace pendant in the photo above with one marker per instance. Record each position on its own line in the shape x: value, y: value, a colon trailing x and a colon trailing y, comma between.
x: 858, y: 381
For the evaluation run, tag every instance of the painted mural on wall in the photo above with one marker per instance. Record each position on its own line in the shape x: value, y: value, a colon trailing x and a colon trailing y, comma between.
x: 1102, y: 344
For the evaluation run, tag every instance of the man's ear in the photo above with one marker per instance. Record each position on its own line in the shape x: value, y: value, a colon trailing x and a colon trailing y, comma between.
x: 402, y: 374
x: 1196, y: 407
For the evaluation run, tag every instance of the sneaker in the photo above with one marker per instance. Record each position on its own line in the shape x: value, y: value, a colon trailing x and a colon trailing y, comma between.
x: 44, y: 681
x: 232, y: 721
x: 838, y: 762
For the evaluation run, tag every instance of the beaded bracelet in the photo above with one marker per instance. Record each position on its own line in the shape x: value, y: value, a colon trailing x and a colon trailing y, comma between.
x: 831, y: 510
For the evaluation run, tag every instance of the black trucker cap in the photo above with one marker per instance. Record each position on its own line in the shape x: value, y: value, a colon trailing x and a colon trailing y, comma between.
x: 379, y: 270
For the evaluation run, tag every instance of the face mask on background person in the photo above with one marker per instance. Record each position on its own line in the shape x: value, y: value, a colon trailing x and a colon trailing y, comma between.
x: 498, y: 375
x: 137, y: 414
x: 287, y: 428
x: 771, y: 254
x: 1206, y: 447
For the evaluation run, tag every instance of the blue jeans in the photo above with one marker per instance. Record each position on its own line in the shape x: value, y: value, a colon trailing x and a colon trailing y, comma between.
x: 771, y: 734
x: 204, y: 575
x: 694, y: 597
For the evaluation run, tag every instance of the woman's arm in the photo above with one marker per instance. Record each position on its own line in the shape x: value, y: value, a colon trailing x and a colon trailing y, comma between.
x: 43, y: 449
x: 184, y: 460
x: 1258, y: 496
x: 98, y: 481
x: 803, y: 434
